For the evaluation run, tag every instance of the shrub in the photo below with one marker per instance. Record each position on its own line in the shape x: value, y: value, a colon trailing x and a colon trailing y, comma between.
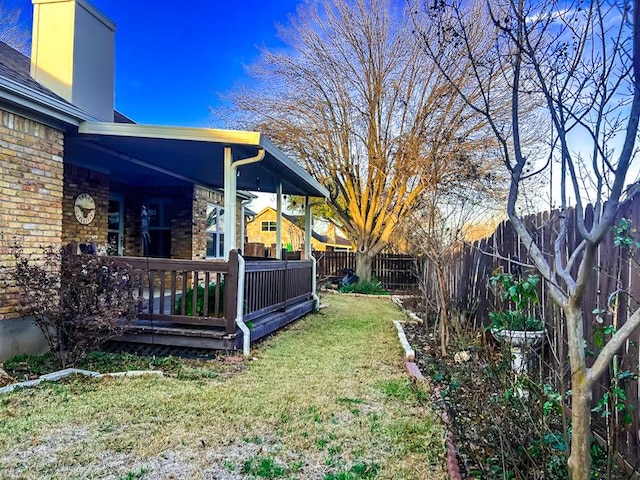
x: 367, y: 287
x: 77, y: 301
x: 188, y: 296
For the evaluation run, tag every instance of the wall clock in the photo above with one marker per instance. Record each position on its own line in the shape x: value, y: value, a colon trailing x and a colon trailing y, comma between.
x: 85, y: 208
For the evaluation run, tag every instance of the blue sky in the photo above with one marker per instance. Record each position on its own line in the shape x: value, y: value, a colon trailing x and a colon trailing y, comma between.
x: 174, y: 58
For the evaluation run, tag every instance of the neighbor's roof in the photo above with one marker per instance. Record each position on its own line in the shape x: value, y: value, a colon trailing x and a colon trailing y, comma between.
x: 298, y: 221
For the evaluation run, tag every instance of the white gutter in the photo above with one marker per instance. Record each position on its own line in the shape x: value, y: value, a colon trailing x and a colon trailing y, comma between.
x: 316, y: 299
x: 246, y: 334
x: 212, y: 135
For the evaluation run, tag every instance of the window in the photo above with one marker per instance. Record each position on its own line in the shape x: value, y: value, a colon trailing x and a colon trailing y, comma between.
x: 159, y: 230
x: 215, y: 231
x: 268, y: 226
x: 115, y: 225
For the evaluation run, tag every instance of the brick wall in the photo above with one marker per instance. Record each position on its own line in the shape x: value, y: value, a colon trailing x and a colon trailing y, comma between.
x: 31, y: 190
x: 79, y: 180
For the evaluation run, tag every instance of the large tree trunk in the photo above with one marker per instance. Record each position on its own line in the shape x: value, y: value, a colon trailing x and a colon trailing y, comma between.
x: 364, y: 260
x: 580, y: 459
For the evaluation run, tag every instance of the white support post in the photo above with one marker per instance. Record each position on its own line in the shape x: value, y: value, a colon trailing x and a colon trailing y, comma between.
x: 230, y: 199
x: 242, y: 224
x: 231, y: 196
x: 279, y: 221
x: 308, y: 225
x: 308, y: 251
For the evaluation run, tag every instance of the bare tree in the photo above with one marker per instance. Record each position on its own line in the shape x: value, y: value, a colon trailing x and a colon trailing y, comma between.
x: 12, y: 32
x: 439, y: 230
x: 361, y: 105
x: 583, y: 59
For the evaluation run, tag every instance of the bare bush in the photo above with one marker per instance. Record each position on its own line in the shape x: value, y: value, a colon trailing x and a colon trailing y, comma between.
x: 77, y: 301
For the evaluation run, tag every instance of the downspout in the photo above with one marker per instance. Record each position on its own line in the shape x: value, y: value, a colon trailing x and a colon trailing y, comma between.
x: 246, y: 333
x: 316, y: 299
x: 230, y: 192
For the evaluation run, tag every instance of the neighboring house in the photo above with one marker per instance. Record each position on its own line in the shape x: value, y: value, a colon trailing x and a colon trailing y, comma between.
x: 74, y: 169
x: 262, y: 229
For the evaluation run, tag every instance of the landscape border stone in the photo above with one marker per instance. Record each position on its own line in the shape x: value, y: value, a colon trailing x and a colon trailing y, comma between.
x: 409, y: 353
x: 416, y: 376
x: 60, y: 374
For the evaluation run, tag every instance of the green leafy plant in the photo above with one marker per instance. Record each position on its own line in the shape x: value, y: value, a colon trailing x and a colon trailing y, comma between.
x: 522, y: 294
x: 369, y: 287
x: 199, y: 310
x: 623, y: 233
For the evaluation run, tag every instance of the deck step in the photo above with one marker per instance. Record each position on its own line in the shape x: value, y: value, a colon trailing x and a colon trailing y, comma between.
x: 148, y: 350
x: 169, y: 329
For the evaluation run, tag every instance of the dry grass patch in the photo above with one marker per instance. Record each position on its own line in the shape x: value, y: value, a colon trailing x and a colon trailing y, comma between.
x: 326, y: 399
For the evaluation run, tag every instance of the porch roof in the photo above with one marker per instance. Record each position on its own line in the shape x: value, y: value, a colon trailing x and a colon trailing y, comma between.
x: 192, y: 154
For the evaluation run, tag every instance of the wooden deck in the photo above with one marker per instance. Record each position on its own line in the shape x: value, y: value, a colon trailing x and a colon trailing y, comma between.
x: 276, y: 292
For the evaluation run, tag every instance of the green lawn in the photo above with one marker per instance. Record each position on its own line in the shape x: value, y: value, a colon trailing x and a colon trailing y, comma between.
x: 326, y: 399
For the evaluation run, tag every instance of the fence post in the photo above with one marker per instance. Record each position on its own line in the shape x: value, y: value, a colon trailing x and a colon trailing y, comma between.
x: 231, y: 292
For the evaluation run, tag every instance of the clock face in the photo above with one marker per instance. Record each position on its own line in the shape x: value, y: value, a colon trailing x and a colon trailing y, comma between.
x: 84, y: 208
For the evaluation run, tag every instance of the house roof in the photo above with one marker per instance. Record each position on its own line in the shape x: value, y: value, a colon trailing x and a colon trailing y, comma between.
x: 15, y: 68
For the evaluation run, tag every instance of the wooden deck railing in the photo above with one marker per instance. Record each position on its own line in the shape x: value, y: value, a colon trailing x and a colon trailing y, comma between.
x: 169, y: 289
x: 176, y: 290
x: 272, y: 285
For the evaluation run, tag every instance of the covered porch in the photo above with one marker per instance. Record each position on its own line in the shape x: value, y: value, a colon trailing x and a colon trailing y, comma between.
x: 221, y: 303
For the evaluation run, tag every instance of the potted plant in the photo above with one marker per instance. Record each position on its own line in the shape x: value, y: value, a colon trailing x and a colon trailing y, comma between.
x: 516, y: 325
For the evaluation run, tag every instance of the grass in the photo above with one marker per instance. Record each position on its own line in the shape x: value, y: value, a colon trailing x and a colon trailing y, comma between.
x: 325, y: 399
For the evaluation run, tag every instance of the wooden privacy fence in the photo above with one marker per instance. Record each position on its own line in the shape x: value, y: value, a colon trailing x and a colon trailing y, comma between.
x: 614, y: 287
x: 394, y: 271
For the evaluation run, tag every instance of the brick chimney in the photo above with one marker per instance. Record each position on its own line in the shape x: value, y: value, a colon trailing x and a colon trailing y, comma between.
x: 72, y: 54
